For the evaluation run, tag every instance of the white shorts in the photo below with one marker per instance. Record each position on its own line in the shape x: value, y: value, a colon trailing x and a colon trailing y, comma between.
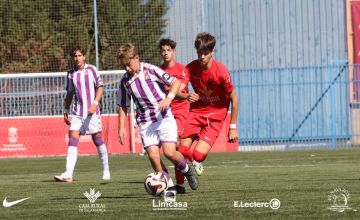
x: 88, y: 125
x: 164, y: 130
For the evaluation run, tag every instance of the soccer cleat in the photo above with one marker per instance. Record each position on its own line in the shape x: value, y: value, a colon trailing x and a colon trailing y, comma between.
x: 192, y: 178
x: 199, y: 168
x: 180, y: 189
x: 106, y: 176
x: 62, y: 178
x: 171, y: 188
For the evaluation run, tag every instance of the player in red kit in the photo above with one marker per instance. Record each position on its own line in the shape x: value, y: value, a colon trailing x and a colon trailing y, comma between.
x: 179, y: 108
x: 213, y: 92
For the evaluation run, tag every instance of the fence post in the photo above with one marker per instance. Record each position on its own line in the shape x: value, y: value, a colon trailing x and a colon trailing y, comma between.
x: 96, y: 36
x: 333, y: 110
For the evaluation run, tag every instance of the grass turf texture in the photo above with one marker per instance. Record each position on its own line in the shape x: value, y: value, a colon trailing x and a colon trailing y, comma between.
x: 301, y: 180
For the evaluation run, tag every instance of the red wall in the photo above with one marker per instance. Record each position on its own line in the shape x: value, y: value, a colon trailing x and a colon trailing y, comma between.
x: 48, y: 136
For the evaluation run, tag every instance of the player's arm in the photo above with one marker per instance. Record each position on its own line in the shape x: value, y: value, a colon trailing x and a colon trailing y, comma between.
x: 67, y: 103
x: 171, y: 95
x: 121, y: 125
x: 233, y: 134
x: 185, y: 78
x: 192, y: 97
x: 181, y: 95
x: 95, y: 103
x: 122, y: 102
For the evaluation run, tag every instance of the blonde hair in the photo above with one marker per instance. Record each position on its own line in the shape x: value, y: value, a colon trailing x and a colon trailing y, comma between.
x: 126, y: 52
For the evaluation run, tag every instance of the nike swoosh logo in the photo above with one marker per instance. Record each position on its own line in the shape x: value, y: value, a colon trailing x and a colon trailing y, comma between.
x: 208, y: 138
x: 7, y: 204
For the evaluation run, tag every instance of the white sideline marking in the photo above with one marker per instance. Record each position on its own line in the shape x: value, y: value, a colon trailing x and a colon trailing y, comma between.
x: 255, y: 166
x: 261, y: 166
x: 45, y: 116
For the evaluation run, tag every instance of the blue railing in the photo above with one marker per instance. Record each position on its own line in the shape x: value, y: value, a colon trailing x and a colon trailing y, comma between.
x: 285, y: 105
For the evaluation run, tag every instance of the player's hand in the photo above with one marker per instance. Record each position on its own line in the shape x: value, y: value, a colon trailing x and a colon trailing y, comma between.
x: 193, y: 97
x: 233, y: 135
x: 66, y: 118
x: 92, y: 109
x: 122, y: 136
x: 164, y: 104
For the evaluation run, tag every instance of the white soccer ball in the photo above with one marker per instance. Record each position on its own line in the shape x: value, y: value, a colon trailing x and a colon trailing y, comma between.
x: 155, y: 183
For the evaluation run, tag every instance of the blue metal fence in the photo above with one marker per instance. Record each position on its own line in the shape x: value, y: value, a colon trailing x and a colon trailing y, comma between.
x: 289, y: 105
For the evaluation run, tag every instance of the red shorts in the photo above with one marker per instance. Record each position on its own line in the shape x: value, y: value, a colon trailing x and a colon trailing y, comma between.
x: 206, y: 129
x: 180, y: 122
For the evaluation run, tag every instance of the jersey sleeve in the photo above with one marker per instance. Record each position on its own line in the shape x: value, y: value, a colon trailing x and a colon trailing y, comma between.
x: 123, y: 98
x: 97, y: 78
x: 185, y: 75
x: 162, y: 76
x: 69, y: 82
x: 226, y: 78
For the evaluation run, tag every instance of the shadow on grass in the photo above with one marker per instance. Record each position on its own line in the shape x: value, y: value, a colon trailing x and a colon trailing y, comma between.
x: 132, y: 182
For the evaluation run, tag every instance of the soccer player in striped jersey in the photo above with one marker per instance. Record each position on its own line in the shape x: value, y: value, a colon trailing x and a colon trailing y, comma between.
x: 180, y: 108
x: 145, y: 82
x: 210, y: 102
x: 85, y: 83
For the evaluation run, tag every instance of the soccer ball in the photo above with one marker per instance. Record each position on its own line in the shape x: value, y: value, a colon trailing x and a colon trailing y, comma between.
x: 155, y: 183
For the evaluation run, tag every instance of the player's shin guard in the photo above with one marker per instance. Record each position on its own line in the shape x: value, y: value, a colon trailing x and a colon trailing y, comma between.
x: 198, y: 156
x: 71, y: 157
x: 102, y: 151
x: 186, y: 152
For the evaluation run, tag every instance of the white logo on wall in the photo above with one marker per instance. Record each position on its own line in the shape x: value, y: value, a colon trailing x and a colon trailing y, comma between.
x: 340, y: 200
x: 13, y: 139
x: 92, y: 196
x: 169, y: 202
x: 273, y: 204
x: 13, y: 135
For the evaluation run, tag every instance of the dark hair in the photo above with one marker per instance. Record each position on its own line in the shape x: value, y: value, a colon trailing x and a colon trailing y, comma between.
x: 205, y: 43
x: 77, y: 48
x: 167, y: 42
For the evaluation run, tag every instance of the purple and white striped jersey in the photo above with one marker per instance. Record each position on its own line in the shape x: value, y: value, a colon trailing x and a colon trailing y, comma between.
x: 83, y: 85
x: 147, y: 90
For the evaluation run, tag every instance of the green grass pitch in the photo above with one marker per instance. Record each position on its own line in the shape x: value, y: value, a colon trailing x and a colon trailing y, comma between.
x: 301, y: 180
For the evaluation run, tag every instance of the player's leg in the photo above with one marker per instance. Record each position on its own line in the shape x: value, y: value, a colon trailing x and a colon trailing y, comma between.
x: 191, y: 129
x: 71, y: 158
x: 93, y: 126
x: 167, y: 133
x: 185, y: 145
x: 180, y: 118
x: 187, y: 137
x: 180, y: 163
x: 153, y: 153
x: 207, y: 138
x: 157, y: 164
x: 199, y: 154
x: 103, y: 154
x: 151, y: 141
x: 76, y: 125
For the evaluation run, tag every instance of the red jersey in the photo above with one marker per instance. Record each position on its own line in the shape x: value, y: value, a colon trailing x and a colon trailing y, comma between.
x: 178, y: 106
x: 213, y: 86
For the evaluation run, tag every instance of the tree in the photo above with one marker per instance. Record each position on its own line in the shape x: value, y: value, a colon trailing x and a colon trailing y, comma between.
x: 36, y: 35
x: 138, y: 22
